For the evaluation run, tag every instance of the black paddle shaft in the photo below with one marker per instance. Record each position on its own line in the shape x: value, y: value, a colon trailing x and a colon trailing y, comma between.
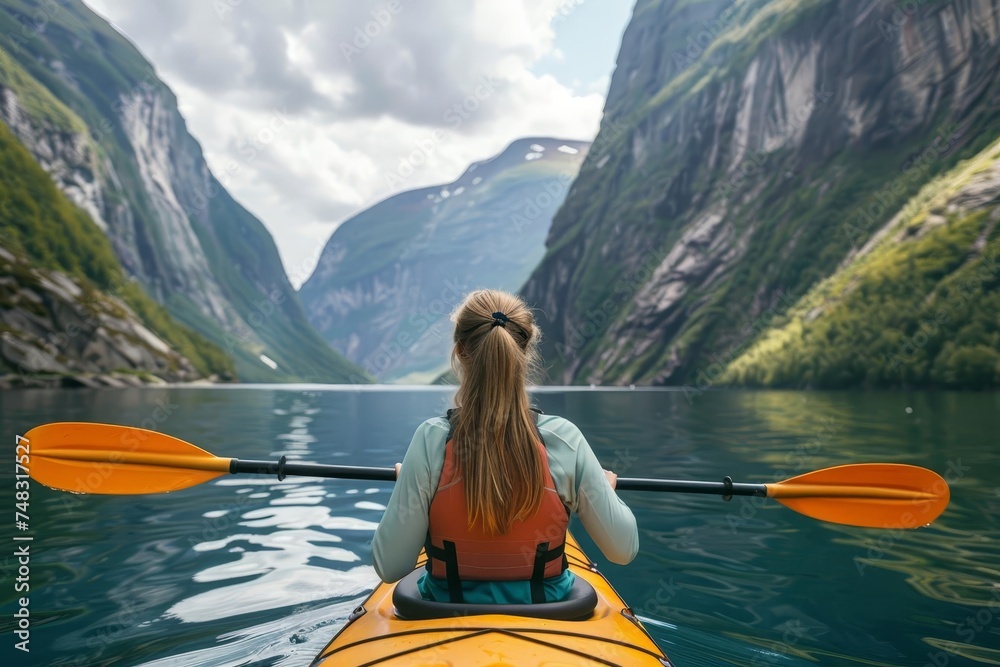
x: 282, y: 468
x: 723, y: 488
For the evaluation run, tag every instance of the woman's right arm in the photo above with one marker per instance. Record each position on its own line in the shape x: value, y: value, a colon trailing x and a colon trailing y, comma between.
x: 403, y: 529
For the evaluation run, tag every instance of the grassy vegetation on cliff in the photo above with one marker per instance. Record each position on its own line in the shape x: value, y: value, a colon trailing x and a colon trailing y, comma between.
x: 39, y: 222
x: 918, y: 308
x: 35, y: 99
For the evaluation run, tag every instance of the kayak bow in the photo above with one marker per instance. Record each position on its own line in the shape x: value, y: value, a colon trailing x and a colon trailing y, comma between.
x: 611, y: 635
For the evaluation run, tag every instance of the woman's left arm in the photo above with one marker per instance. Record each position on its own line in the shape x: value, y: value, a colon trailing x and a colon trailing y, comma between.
x: 403, y: 529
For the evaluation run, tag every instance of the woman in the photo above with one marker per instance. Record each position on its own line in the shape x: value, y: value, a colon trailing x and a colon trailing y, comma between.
x: 488, y: 489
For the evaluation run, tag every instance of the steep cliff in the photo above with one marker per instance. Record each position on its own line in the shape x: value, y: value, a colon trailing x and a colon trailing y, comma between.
x: 142, y: 177
x: 753, y: 147
x: 66, y: 308
x: 389, y: 277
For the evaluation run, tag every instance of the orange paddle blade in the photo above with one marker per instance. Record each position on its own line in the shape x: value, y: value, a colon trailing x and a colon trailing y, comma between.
x: 876, y: 495
x: 103, y: 458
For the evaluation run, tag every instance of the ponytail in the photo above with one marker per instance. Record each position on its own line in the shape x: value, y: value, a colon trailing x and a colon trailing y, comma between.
x: 495, y: 439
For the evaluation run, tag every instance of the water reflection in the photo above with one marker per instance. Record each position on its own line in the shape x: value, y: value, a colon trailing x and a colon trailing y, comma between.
x: 285, y: 553
x: 251, y: 571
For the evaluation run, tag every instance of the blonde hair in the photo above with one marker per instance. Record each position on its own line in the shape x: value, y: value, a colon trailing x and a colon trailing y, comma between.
x: 495, y: 437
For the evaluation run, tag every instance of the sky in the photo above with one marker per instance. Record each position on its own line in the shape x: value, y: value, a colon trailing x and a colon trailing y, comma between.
x: 310, y: 111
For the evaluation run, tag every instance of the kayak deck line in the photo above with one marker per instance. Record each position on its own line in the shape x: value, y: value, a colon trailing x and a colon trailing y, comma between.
x: 610, y: 636
x: 515, y: 633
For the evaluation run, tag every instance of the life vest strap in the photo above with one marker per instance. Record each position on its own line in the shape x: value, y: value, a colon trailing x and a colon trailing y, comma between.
x: 543, y: 556
x: 448, y: 555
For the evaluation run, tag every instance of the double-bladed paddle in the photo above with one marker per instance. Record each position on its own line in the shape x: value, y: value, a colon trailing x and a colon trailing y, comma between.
x: 83, y: 457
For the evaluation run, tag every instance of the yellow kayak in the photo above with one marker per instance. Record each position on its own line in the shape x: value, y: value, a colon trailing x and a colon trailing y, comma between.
x: 599, y: 629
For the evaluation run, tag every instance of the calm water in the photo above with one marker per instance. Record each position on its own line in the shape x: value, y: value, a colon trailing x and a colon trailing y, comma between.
x: 249, y: 571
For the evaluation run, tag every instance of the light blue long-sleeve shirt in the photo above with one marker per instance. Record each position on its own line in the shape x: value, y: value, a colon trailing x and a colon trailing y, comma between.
x: 578, y: 476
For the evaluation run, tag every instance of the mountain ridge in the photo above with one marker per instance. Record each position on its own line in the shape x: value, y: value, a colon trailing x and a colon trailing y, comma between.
x: 389, y: 276
x: 145, y: 182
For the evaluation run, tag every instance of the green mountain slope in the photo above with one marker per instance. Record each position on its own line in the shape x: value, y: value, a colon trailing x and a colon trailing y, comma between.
x: 746, y: 139
x: 143, y: 179
x: 43, y: 233
x: 389, y: 277
x: 918, y: 306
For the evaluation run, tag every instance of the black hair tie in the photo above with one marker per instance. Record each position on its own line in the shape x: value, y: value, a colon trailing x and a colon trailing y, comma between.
x: 499, y: 319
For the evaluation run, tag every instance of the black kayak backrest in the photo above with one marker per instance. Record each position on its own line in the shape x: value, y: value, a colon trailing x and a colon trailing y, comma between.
x: 409, y: 604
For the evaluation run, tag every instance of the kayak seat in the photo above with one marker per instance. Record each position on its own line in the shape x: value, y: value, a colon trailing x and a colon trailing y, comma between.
x: 409, y: 605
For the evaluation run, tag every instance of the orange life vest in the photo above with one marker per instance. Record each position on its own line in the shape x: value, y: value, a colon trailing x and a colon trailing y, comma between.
x: 530, y: 550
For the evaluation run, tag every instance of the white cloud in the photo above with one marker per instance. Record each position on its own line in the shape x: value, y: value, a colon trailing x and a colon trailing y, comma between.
x: 305, y: 108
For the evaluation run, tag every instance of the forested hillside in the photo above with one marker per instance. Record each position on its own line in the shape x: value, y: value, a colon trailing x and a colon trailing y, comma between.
x: 918, y: 305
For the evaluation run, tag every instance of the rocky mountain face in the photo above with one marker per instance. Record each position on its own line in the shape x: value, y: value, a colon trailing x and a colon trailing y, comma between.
x: 753, y: 148
x: 389, y: 277
x: 91, y: 110
x: 55, y: 331
x: 68, y: 315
